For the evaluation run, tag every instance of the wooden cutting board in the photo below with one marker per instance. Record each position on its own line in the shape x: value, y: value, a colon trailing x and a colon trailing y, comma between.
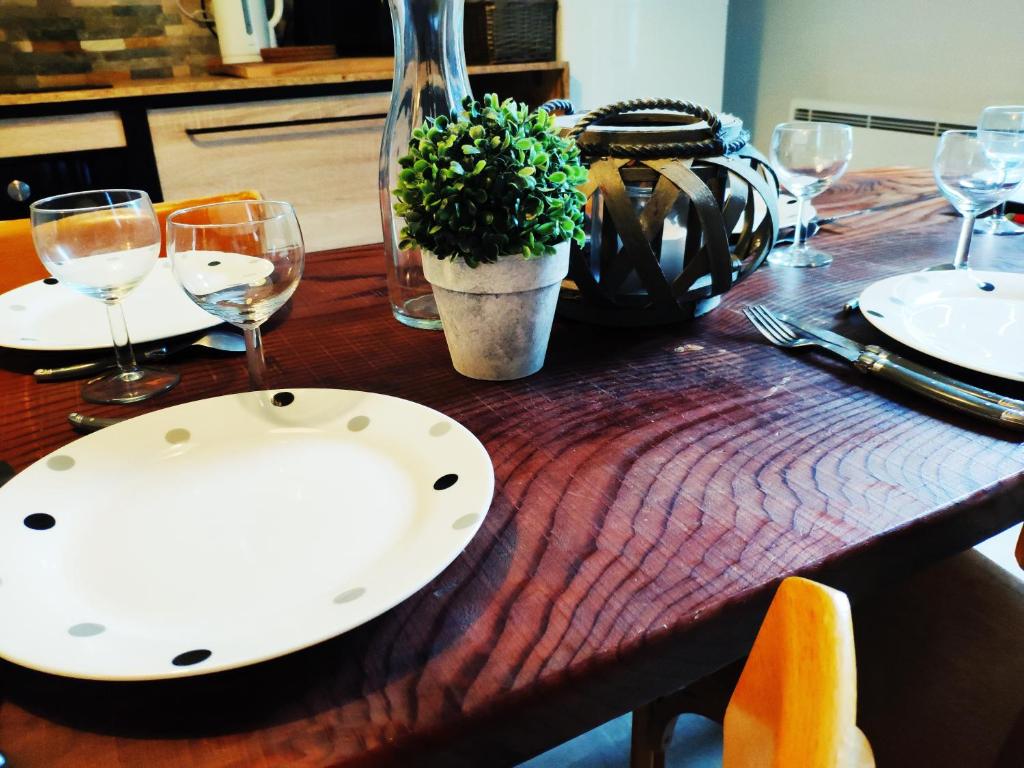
x: 359, y: 68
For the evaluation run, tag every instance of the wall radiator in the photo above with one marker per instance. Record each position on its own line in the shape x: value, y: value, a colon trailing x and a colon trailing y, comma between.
x: 883, y: 136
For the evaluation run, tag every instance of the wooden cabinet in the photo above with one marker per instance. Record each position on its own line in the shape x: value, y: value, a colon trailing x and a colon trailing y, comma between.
x: 49, y: 155
x: 320, y: 154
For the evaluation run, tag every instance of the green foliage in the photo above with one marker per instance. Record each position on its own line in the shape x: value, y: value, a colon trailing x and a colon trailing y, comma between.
x: 492, y: 181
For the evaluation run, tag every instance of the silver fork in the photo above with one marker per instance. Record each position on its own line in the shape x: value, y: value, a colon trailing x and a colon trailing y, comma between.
x: 873, y: 360
x: 777, y: 332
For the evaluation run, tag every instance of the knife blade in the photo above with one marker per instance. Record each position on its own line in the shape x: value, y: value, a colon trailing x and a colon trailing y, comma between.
x: 224, y: 341
x: 870, y: 358
x: 813, y: 225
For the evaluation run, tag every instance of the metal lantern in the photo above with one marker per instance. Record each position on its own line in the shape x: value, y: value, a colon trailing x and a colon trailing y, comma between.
x: 680, y: 206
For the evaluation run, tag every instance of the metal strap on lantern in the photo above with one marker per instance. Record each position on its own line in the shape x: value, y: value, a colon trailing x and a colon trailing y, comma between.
x: 681, y: 209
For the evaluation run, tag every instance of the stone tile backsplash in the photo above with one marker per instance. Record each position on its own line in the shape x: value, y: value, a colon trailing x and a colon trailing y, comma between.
x: 60, y: 43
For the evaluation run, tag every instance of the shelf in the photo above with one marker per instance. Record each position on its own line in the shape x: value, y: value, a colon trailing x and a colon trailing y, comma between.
x: 549, y: 77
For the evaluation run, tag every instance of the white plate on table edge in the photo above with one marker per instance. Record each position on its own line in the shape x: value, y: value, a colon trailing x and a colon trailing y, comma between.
x: 974, y: 319
x: 206, y: 536
x: 48, y: 317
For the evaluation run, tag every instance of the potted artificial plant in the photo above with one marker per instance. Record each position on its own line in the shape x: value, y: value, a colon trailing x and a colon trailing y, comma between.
x: 490, y: 196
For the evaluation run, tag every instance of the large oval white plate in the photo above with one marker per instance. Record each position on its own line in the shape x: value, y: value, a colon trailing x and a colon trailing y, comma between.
x: 51, y: 317
x: 228, y: 531
x: 969, y: 318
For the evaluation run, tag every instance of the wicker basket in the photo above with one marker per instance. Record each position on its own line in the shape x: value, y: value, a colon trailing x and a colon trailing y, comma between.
x: 505, y: 31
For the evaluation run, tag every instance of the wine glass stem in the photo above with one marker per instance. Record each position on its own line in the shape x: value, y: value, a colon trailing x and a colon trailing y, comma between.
x: 963, y: 245
x: 798, y: 229
x: 254, y: 358
x: 123, y: 353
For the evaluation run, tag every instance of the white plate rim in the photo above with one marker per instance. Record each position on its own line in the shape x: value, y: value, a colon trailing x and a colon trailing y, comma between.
x: 885, y: 286
x: 468, y: 534
x: 162, y: 266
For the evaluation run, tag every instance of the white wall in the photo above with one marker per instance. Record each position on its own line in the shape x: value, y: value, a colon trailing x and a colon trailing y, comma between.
x: 620, y: 49
x: 946, y: 57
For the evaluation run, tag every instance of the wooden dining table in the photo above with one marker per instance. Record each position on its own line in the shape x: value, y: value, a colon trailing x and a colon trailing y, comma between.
x: 653, y: 486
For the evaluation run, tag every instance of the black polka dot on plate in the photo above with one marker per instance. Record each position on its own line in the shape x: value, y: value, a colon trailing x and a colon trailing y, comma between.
x: 40, y: 521
x: 213, y: 264
x: 986, y: 286
x: 873, y: 313
x: 51, y: 280
x: 283, y: 398
x: 188, y: 658
x: 445, y: 481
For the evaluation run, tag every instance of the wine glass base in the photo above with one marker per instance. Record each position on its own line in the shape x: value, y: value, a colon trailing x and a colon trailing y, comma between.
x: 997, y: 225
x: 128, y: 386
x: 798, y: 257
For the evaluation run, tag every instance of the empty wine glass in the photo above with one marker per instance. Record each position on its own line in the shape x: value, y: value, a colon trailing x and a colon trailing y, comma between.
x: 240, y: 261
x: 972, y: 178
x: 103, y: 243
x: 1004, y: 128
x: 807, y: 157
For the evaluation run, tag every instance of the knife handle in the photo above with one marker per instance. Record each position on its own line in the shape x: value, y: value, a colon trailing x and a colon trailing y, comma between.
x: 944, y: 389
x: 83, y: 423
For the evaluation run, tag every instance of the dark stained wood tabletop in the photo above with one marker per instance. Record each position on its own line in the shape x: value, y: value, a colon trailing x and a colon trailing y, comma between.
x: 652, y: 487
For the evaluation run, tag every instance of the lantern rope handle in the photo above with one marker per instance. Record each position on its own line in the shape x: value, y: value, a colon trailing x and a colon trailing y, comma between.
x: 716, y: 145
x: 558, y: 105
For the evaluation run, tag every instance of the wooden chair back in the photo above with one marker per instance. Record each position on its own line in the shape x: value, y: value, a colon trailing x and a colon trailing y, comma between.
x: 796, y: 700
x: 20, y: 265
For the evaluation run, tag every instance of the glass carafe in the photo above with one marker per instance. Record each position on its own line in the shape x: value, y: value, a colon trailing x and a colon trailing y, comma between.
x: 430, y: 79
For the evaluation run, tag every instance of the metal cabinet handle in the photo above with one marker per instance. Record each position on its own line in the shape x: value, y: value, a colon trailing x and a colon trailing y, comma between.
x: 18, y: 191
x: 281, y: 124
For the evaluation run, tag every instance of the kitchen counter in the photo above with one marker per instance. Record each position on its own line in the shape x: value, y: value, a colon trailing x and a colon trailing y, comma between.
x: 143, y: 89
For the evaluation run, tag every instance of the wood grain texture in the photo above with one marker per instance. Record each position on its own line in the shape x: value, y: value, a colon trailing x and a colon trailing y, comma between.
x: 653, y: 487
x: 21, y: 137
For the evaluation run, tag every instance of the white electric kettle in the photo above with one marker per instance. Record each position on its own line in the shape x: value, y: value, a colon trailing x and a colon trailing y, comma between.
x: 243, y: 28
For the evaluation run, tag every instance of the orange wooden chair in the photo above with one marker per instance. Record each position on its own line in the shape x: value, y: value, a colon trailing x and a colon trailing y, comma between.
x: 796, y: 700
x: 20, y: 265
x: 795, y: 704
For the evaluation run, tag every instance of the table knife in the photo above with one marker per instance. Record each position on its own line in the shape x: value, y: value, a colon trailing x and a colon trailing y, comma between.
x: 872, y: 359
x: 811, y: 227
x: 225, y: 341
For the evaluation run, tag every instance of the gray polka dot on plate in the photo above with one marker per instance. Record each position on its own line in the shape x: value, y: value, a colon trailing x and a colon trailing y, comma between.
x: 441, y: 428
x: 86, y: 629
x: 349, y: 595
x: 466, y: 521
x: 60, y: 462
x: 17, y: 307
x: 177, y: 436
x: 358, y: 423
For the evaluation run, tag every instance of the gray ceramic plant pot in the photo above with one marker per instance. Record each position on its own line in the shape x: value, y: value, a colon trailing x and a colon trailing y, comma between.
x: 497, y: 317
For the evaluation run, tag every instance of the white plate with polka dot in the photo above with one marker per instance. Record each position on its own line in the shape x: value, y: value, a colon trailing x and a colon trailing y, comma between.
x: 229, y: 531
x: 48, y: 316
x: 974, y: 319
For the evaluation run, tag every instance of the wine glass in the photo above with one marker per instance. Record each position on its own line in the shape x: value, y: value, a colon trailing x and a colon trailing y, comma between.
x: 103, y: 243
x: 1004, y: 127
x: 807, y: 157
x: 972, y: 178
x: 240, y: 261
